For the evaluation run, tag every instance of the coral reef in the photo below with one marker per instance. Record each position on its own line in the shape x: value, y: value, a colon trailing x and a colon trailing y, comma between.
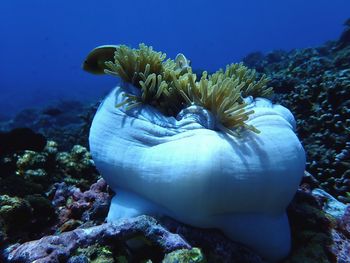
x: 318, y: 235
x: 30, y: 172
x: 312, y: 241
x: 67, y: 123
x: 344, y: 39
x: 27, y: 177
x: 314, y: 83
x: 53, y: 204
x: 116, y: 241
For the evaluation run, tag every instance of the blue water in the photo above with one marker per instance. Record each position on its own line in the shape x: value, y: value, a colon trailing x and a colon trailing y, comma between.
x: 43, y: 43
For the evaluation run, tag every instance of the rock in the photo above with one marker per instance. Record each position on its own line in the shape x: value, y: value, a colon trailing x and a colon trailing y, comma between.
x: 193, y: 255
x: 217, y: 247
x: 318, y: 236
x: 77, y: 166
x: 60, y: 248
x: 30, y: 172
x: 76, y: 207
x: 14, y: 213
x: 67, y: 122
x: 21, y: 139
x: 78, y: 259
x: 331, y: 205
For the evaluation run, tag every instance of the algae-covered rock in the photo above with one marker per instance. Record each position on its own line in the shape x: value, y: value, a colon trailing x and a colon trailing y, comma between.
x: 14, y: 210
x: 15, y: 215
x: 27, y: 178
x: 77, y: 166
x: 60, y: 248
x: 193, y: 255
x: 319, y: 231
x: 96, y: 254
x: 33, y: 172
x: 75, y: 207
x: 42, y: 211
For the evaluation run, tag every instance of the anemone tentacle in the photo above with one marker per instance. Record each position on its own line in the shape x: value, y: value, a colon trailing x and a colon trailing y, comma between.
x: 170, y: 86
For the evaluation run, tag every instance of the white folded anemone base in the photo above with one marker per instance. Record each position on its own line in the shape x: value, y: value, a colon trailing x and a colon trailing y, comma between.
x: 202, y: 177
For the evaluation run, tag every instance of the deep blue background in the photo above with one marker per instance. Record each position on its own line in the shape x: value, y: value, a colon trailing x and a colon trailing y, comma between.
x: 43, y: 42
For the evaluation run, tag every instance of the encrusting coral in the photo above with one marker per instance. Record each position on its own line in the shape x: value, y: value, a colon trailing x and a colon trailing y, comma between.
x: 171, y: 86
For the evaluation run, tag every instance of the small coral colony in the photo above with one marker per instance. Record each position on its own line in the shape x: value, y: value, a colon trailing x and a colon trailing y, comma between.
x: 170, y: 85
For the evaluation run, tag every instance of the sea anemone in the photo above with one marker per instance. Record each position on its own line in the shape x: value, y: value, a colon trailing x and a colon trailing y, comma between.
x: 208, y: 152
x: 171, y: 86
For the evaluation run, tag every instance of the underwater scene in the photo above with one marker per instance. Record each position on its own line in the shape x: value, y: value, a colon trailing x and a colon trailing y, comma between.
x: 175, y: 131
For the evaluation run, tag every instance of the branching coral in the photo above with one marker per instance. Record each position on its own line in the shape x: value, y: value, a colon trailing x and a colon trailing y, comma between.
x: 170, y: 86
